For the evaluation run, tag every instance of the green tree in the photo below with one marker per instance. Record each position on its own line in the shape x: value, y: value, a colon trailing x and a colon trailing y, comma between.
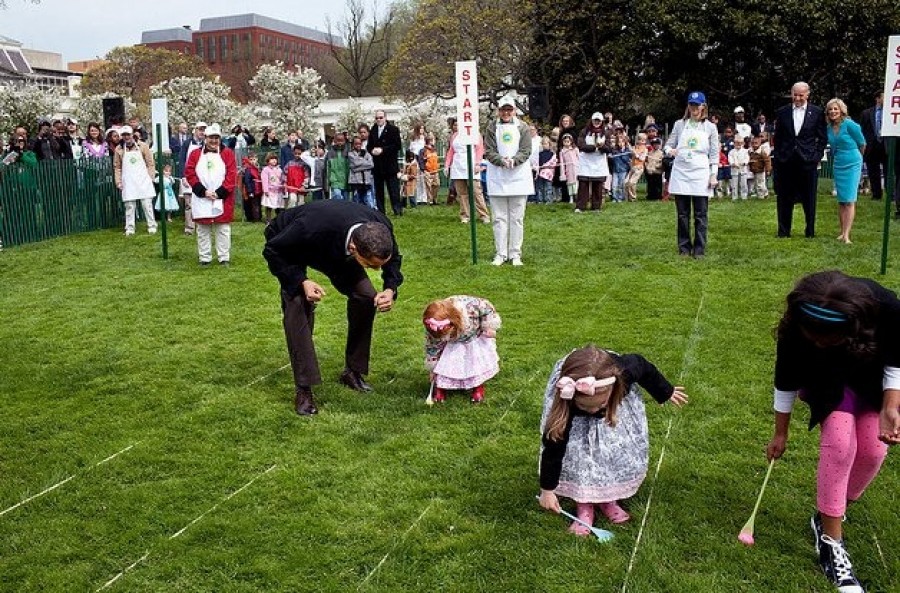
x: 131, y: 71
x: 497, y: 35
x: 23, y: 105
x: 638, y: 56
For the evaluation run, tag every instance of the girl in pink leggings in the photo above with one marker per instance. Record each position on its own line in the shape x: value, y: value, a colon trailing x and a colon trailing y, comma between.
x: 839, y: 351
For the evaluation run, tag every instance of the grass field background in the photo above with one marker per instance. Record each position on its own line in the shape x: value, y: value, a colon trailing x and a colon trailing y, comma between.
x: 106, y: 348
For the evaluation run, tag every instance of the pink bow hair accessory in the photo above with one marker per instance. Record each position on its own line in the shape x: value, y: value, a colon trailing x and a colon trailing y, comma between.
x: 568, y: 386
x: 436, y: 325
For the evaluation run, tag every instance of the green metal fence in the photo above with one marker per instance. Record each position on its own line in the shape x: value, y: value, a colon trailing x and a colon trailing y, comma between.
x: 56, y: 198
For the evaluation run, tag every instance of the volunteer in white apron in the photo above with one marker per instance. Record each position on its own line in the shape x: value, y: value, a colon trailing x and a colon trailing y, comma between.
x: 212, y: 173
x: 456, y: 169
x: 507, y: 148
x: 134, y: 170
x: 694, y: 143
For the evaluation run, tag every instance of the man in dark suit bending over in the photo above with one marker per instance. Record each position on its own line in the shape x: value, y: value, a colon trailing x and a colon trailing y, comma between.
x: 339, y: 239
x: 800, y: 139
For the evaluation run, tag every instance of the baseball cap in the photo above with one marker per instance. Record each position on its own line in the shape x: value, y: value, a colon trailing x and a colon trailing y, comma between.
x: 214, y: 130
x: 200, y: 124
x: 506, y: 102
x: 739, y: 109
x: 597, y: 115
x: 125, y: 130
x: 696, y: 97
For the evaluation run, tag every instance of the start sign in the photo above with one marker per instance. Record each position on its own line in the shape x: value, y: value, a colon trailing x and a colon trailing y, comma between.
x: 467, y: 102
x: 890, y: 120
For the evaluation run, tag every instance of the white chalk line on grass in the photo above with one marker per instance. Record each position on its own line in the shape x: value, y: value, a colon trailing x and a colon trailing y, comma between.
x: 224, y: 500
x: 60, y: 483
x: 183, y: 529
x: 637, y: 542
x: 880, y: 553
x: 264, y: 377
x: 126, y: 569
x: 397, y: 543
x: 691, y: 345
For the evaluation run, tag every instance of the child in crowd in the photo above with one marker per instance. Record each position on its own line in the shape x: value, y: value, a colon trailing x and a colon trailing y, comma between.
x: 295, y: 179
x: 653, y: 170
x: 619, y: 164
x: 361, y: 165
x: 723, y: 177
x: 460, y: 349
x: 252, y: 188
x: 595, y: 441
x: 432, y: 166
x: 568, y: 163
x: 546, y: 166
x: 739, y: 160
x: 272, y: 187
x: 169, y: 190
x: 409, y: 176
x: 638, y: 158
x: 760, y: 166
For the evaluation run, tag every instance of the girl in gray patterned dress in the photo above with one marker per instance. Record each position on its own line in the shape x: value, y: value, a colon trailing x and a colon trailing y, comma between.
x: 595, y: 442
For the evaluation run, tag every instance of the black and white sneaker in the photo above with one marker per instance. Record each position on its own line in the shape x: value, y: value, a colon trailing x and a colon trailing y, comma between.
x: 816, y: 523
x: 837, y: 567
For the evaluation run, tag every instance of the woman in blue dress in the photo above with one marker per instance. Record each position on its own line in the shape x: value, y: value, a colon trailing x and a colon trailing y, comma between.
x: 847, y: 147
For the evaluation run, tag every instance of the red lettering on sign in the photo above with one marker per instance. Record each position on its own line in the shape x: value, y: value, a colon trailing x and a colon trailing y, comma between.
x: 466, y: 75
x: 895, y: 101
x: 467, y: 104
x: 468, y: 130
x: 467, y: 116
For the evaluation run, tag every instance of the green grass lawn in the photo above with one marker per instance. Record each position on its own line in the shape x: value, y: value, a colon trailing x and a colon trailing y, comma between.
x: 105, y: 346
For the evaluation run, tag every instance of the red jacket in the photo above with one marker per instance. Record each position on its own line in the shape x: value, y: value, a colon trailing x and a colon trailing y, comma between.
x: 295, y: 175
x: 225, y: 191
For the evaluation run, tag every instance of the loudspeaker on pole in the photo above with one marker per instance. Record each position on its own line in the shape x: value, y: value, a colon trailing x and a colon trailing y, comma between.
x: 113, y: 112
x: 538, y: 101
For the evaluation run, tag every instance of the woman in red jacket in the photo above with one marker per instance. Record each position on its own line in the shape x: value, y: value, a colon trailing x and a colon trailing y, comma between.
x: 212, y: 174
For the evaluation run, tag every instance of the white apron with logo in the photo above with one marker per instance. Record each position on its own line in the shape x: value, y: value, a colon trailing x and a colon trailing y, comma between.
x: 136, y: 182
x: 690, y: 171
x: 211, y: 173
x: 502, y: 181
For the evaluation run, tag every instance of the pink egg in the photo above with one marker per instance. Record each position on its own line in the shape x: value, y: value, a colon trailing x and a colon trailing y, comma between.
x: 746, y: 538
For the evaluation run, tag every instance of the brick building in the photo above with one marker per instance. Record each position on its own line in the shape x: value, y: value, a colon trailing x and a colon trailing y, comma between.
x: 235, y: 46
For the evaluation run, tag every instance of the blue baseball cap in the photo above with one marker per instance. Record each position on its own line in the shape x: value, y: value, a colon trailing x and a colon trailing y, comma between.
x: 697, y: 97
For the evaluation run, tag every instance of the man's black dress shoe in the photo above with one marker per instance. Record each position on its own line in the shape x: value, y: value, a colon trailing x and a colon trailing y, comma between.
x: 354, y: 381
x: 303, y: 402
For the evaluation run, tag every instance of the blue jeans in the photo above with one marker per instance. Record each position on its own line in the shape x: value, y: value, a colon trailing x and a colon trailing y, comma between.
x: 544, y: 191
x: 618, y: 185
x: 340, y: 194
x: 365, y: 196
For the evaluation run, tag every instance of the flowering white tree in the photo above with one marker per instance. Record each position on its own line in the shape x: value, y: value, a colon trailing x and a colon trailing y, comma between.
x: 432, y: 112
x: 90, y: 109
x: 350, y: 118
x: 192, y: 99
x: 24, y: 105
x: 290, y: 94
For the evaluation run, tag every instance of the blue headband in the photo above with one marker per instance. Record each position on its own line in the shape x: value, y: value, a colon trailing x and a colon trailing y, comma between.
x: 823, y: 314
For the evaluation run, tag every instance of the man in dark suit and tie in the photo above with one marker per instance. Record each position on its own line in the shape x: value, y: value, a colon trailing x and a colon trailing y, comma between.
x: 875, y: 155
x: 177, y: 141
x: 339, y: 239
x: 384, y: 146
x: 800, y: 140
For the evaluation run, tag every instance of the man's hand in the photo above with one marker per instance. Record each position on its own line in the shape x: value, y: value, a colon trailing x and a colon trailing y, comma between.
x: 212, y: 195
x: 313, y: 291
x: 377, y: 151
x: 384, y: 300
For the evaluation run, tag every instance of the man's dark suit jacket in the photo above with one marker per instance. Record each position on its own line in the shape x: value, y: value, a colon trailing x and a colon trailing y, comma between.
x: 809, y: 144
x: 386, y: 164
x: 315, y: 236
x: 867, y: 123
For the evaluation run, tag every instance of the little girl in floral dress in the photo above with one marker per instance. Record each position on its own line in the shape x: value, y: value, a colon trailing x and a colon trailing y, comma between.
x: 460, y: 349
x: 595, y: 440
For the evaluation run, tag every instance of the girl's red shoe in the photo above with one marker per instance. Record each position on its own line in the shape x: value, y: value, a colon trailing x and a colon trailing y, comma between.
x: 478, y: 394
x: 439, y: 394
